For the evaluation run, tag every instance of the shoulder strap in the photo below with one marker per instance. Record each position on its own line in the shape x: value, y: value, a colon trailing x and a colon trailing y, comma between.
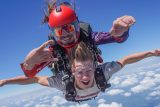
x: 86, y: 37
x: 85, y: 29
x: 101, y: 80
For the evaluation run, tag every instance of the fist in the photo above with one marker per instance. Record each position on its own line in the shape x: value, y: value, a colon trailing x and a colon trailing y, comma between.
x: 156, y: 52
x: 121, y: 25
x: 2, y: 83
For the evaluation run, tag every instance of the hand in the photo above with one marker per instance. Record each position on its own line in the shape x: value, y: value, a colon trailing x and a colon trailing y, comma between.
x: 39, y: 55
x: 156, y: 52
x: 121, y: 25
x: 2, y: 82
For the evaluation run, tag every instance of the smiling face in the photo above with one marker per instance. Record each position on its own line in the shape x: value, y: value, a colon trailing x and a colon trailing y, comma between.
x: 68, y: 38
x: 84, y: 74
x: 67, y: 34
x: 82, y: 60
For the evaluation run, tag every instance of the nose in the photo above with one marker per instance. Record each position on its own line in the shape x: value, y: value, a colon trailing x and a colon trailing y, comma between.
x: 85, y: 77
x: 65, y: 33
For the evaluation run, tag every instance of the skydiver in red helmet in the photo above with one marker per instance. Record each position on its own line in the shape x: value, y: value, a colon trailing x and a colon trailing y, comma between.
x: 69, y: 31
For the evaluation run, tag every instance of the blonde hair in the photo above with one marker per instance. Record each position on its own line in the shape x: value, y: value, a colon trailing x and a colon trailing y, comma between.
x: 81, y: 53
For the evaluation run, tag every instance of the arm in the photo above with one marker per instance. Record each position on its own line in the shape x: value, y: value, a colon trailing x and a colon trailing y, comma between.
x: 137, y: 57
x: 119, y: 31
x: 22, y: 80
x: 105, y: 37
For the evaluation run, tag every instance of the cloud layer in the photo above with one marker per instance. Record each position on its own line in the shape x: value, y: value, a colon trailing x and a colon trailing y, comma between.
x: 140, y: 89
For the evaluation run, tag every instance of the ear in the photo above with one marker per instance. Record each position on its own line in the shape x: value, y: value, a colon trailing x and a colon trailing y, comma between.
x: 73, y: 70
x: 73, y: 73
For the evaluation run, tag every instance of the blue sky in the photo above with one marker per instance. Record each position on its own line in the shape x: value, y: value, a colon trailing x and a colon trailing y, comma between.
x: 21, y: 31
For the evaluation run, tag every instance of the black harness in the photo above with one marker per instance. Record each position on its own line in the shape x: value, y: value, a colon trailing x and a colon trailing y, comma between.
x: 63, y: 67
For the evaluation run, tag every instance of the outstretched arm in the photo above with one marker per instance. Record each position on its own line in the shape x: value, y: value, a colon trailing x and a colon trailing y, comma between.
x: 22, y: 80
x: 138, y: 56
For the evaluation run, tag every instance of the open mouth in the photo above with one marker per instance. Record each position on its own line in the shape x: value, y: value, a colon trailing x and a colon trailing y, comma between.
x: 85, y: 82
x: 66, y: 38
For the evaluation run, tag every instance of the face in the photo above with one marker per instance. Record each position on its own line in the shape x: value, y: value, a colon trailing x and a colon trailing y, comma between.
x: 66, y: 34
x: 84, y: 74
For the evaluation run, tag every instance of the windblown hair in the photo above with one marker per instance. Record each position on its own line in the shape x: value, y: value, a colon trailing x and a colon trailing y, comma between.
x: 81, y: 53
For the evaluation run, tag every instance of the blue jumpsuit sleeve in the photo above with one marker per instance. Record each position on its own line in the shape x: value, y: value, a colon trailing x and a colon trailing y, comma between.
x: 109, y: 68
x: 56, y: 82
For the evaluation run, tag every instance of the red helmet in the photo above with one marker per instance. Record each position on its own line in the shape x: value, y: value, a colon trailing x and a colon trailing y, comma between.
x: 62, y: 15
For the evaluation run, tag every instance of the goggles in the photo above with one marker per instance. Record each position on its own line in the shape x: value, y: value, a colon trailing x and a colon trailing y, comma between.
x: 86, y: 69
x: 59, y: 31
x: 69, y: 28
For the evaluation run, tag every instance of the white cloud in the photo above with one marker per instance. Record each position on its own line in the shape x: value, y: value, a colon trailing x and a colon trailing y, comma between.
x: 142, y: 73
x: 44, y: 105
x: 139, y: 88
x: 127, y: 94
x: 80, y: 105
x: 115, y: 80
x: 149, y: 73
x: 113, y: 104
x: 155, y: 93
x: 157, y: 78
x: 115, y: 92
x: 124, y: 81
x: 46, y: 101
x: 54, y: 105
x: 18, y: 103
x: 84, y: 105
x: 147, y: 80
x: 29, y: 104
x: 58, y: 100
x: 145, y: 84
x: 44, y: 98
x: 129, y: 81
x: 101, y: 101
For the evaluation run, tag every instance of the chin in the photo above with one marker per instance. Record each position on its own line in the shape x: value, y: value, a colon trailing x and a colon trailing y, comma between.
x: 86, y: 86
x: 70, y: 42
